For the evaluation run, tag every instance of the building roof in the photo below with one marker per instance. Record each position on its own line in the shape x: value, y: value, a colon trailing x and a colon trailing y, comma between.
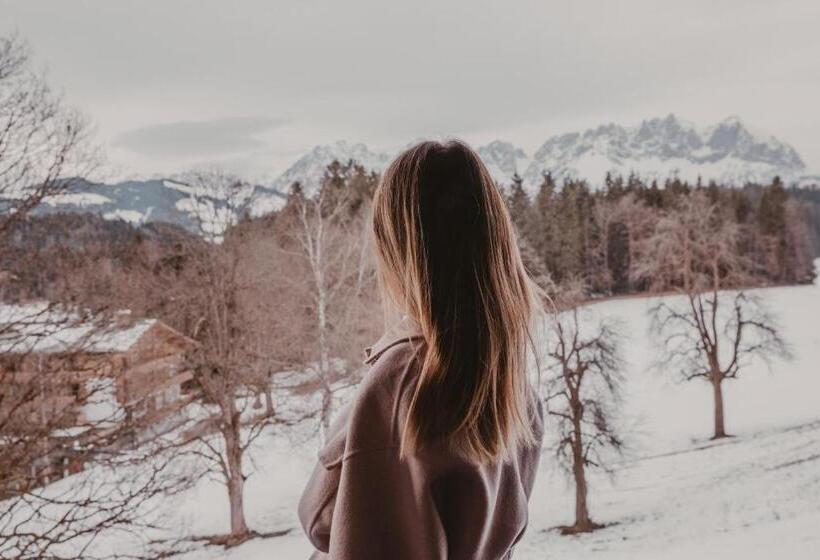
x: 44, y: 327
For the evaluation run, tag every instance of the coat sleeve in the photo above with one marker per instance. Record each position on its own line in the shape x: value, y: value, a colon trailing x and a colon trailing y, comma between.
x: 384, y: 510
x: 364, y: 501
x: 384, y: 506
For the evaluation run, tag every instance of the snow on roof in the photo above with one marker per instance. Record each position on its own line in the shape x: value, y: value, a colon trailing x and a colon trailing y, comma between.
x: 47, y: 328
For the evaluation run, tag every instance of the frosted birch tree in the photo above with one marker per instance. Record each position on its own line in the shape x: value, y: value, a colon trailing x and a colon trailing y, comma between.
x: 332, y: 277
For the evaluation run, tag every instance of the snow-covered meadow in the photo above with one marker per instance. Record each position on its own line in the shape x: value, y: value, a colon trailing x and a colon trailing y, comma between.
x: 674, y: 493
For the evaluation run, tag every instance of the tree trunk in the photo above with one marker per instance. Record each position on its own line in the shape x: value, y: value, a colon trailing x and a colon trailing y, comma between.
x: 582, y: 522
x: 236, y: 481
x: 268, y: 400
x: 720, y: 429
x: 324, y: 414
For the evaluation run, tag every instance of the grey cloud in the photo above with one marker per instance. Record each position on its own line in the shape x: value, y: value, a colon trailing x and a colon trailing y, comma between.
x: 197, y: 138
x: 385, y: 72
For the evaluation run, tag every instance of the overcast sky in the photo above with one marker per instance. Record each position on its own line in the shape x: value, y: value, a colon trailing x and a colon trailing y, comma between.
x: 253, y: 84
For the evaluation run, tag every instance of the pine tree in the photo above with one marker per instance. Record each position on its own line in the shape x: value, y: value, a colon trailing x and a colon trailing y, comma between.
x: 771, y: 218
x: 518, y: 203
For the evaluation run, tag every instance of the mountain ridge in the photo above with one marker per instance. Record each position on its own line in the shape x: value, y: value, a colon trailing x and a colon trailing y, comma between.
x: 728, y: 152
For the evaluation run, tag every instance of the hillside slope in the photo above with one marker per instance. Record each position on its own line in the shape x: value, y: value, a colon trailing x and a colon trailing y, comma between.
x: 674, y: 495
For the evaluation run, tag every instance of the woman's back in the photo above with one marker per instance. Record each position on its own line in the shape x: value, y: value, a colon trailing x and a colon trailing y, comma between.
x: 365, y: 501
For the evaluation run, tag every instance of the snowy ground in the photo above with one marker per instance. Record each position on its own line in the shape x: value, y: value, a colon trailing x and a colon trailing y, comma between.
x: 674, y: 495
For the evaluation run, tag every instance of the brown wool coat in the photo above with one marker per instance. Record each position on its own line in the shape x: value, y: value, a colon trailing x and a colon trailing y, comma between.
x: 363, y: 502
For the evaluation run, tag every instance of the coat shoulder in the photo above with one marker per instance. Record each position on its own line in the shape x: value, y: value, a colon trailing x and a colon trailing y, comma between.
x: 382, y: 398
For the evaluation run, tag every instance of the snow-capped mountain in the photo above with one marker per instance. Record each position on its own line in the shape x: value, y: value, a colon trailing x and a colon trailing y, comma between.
x: 310, y: 168
x: 728, y: 152
x: 807, y: 181
x: 504, y: 160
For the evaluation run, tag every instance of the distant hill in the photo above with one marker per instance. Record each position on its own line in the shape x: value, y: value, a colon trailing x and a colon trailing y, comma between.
x: 154, y: 200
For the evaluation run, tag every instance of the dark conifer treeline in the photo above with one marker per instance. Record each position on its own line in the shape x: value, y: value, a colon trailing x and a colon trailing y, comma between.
x: 809, y: 198
x: 570, y: 232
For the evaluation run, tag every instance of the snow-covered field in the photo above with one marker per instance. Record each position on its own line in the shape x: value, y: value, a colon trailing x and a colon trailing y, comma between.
x: 674, y: 495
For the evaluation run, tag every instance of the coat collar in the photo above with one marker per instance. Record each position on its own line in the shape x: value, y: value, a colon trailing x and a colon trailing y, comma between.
x: 404, y: 330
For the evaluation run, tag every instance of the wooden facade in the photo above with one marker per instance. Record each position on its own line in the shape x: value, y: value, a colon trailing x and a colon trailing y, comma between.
x: 66, y: 396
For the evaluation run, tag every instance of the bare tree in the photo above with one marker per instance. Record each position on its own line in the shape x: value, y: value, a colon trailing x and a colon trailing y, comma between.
x: 694, y: 252
x: 217, y: 201
x: 331, y: 278
x: 212, y: 288
x: 44, y: 145
x: 585, y: 368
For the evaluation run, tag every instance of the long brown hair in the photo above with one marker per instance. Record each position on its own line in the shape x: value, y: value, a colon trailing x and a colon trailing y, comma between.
x: 447, y: 256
